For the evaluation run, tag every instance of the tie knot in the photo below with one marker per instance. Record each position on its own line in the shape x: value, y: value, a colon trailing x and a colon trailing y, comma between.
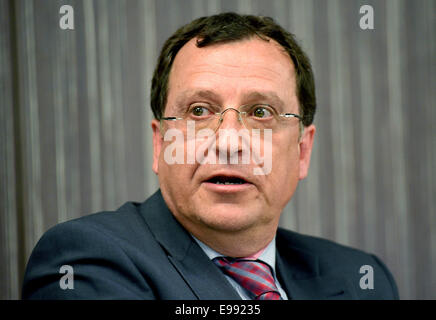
x: 253, y: 275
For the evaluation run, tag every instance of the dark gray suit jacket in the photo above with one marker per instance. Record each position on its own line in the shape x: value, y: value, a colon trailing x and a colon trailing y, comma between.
x: 140, y: 251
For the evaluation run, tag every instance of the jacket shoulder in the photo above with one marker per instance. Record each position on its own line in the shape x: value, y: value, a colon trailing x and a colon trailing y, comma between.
x: 340, y: 260
x: 98, y: 248
x: 323, y: 248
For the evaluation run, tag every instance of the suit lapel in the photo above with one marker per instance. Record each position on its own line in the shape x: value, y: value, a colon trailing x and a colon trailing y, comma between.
x: 203, y: 277
x: 298, y: 272
x: 200, y: 274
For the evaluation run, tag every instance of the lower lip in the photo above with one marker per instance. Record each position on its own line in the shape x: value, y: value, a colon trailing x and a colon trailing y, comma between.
x: 227, y: 188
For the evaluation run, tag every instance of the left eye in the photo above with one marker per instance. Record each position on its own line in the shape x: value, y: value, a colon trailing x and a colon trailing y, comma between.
x: 261, y: 112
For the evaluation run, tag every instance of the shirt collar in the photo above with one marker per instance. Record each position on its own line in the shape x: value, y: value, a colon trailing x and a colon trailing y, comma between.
x: 268, y: 255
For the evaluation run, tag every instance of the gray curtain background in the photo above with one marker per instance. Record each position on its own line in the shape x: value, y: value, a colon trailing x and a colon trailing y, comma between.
x: 75, y: 122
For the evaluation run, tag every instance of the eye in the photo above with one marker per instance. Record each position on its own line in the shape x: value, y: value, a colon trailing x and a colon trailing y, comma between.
x: 262, y: 112
x: 199, y: 110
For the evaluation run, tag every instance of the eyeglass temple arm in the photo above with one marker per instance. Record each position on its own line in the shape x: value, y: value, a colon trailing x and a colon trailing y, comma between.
x: 291, y: 115
x: 171, y: 118
x: 284, y: 115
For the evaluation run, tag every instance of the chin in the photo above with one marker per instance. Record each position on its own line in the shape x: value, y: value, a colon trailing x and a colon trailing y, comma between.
x: 229, y: 217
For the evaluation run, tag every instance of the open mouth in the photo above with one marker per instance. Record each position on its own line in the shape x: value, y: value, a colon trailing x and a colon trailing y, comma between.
x: 226, y: 180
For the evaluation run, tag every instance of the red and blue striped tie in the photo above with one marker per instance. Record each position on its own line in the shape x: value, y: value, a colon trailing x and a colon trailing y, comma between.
x: 253, y: 275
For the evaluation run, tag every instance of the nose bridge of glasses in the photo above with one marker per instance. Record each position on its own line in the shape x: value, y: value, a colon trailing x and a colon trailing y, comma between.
x: 239, y: 115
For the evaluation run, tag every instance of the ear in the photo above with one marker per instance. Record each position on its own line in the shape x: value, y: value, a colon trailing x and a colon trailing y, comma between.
x: 157, y: 144
x: 305, y: 146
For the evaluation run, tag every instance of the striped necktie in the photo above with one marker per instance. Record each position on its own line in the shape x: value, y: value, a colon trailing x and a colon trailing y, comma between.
x: 253, y: 275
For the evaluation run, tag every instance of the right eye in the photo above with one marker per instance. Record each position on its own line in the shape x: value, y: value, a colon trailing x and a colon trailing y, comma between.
x: 199, y: 110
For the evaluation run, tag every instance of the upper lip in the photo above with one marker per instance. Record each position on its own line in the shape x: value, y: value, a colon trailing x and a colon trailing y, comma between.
x: 229, y: 174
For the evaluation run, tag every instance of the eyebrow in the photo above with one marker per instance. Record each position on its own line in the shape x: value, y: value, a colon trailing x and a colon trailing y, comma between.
x: 267, y: 96
x: 252, y: 96
x: 191, y: 94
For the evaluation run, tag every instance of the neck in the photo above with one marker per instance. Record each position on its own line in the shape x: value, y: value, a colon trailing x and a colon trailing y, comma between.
x: 242, y: 244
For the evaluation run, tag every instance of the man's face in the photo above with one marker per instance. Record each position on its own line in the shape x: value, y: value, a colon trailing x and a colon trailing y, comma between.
x: 232, y: 75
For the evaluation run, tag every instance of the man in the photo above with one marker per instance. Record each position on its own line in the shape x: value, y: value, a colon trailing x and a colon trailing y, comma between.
x: 211, y: 231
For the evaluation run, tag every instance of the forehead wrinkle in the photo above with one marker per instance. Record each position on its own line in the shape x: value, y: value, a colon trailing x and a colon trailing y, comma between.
x: 271, y: 74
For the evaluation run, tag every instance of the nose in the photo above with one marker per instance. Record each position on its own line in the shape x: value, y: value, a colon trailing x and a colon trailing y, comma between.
x: 232, y: 120
x: 231, y: 139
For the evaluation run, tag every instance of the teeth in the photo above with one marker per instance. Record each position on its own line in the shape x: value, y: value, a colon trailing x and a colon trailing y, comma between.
x: 227, y: 182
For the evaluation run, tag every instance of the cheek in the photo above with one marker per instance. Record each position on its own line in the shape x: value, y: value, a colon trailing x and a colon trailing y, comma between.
x: 174, y: 173
x: 285, y: 151
x: 285, y: 164
x: 174, y: 181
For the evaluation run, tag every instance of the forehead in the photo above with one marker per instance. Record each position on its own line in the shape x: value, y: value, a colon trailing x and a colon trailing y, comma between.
x: 232, y: 69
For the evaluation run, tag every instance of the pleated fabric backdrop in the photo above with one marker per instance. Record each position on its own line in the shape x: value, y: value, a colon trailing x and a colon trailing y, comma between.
x: 76, y: 137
